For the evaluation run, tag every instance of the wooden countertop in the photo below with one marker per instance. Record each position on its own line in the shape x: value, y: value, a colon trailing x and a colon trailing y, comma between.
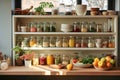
x: 46, y: 70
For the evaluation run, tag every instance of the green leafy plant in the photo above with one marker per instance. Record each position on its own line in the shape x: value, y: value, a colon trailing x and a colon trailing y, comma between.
x: 42, y: 6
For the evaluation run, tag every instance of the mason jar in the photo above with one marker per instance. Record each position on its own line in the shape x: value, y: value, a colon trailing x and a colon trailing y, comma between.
x: 58, y: 42
x: 46, y: 41
x: 52, y: 41
x: 65, y: 42
x: 52, y: 27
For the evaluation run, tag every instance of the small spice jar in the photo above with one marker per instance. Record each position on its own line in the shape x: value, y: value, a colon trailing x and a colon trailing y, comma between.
x: 42, y: 59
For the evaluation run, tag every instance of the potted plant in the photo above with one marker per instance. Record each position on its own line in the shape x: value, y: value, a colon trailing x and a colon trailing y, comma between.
x: 18, y: 52
x: 27, y: 57
x: 40, y: 9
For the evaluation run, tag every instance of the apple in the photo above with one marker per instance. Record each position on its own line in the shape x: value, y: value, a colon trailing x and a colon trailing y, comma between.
x: 103, y: 59
x: 112, y: 61
x: 75, y: 60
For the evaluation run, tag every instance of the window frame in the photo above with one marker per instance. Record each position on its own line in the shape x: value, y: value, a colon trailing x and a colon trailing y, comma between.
x: 111, y: 4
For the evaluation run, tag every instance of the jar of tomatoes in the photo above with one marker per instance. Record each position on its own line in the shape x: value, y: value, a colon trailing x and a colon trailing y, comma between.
x: 42, y: 59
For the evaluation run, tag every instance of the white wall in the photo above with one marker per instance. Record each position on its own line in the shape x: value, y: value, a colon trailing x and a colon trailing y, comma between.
x: 5, y: 26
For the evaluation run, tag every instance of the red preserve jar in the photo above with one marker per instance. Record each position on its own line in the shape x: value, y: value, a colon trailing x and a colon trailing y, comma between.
x: 42, y: 59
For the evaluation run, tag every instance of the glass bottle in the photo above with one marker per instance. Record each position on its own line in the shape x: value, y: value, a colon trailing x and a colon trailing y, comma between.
x: 77, y: 42
x: 52, y: 41
x: 65, y: 42
x: 52, y: 27
x: 50, y: 59
x: 45, y: 41
x: 61, y: 9
x: 76, y: 27
x: 71, y: 41
x: 42, y: 59
x: 33, y: 42
x: 110, y: 25
x: 90, y: 43
x: 83, y: 43
x: 58, y: 42
x: 92, y: 27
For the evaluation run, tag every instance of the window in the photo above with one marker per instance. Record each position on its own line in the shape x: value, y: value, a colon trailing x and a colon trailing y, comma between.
x: 102, y: 4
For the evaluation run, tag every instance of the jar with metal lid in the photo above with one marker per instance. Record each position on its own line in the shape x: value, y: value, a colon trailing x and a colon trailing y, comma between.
x: 58, y: 42
x: 68, y: 10
x: 32, y: 42
x: 71, y: 41
x: 92, y: 27
x: 84, y: 27
x: 52, y: 41
x: 46, y: 27
x: 50, y: 59
x: 42, y: 59
x: 77, y: 42
x: 65, y: 59
x: 99, y: 28
x: 33, y: 27
x: 52, y: 27
x: 46, y: 41
x: 61, y: 9
x: 39, y: 41
x: 25, y: 42
x: 65, y: 42
x: 76, y: 27
x: 91, y: 43
x: 35, y: 60
x: 111, y: 43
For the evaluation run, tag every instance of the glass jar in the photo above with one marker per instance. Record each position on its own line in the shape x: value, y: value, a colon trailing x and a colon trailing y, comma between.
x: 76, y: 27
x: 46, y: 27
x: 25, y: 42
x: 35, y: 60
x: 84, y: 27
x: 42, y: 59
x: 71, y: 41
x: 91, y: 43
x: 50, y: 59
x: 65, y: 42
x: 33, y: 27
x: 77, y: 42
x: 4, y: 65
x: 58, y: 42
x: 83, y: 43
x: 52, y: 41
x: 68, y: 10
x: 32, y: 42
x: 111, y: 43
x: 92, y: 27
x: 61, y: 9
x: 38, y: 26
x: 57, y: 59
x: 52, y: 27
x: 39, y: 41
x: 99, y: 28
x: 45, y: 41
x: 65, y: 59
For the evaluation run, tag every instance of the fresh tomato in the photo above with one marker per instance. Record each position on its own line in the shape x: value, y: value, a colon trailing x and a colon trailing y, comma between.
x: 75, y: 60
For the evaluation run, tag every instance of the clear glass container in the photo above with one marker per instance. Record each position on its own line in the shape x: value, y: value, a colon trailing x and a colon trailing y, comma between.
x: 52, y: 41
x: 84, y: 27
x: 57, y: 59
x: 62, y: 9
x: 33, y: 42
x: 50, y: 59
x: 46, y: 41
x: 65, y: 42
x: 83, y: 42
x: 111, y: 43
x: 99, y: 28
x: 92, y: 27
x: 53, y: 27
x: 71, y: 41
x: 33, y: 27
x: 76, y: 27
x: 58, y: 42
x: 42, y: 59
x: 38, y: 26
x: 65, y: 59
x: 25, y: 42
x: 91, y: 43
x: 77, y: 42
x: 68, y: 10
x: 39, y: 41
x: 46, y: 27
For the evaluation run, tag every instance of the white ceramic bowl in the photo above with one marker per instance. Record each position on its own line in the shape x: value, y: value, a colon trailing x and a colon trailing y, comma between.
x: 82, y: 65
x: 66, y: 27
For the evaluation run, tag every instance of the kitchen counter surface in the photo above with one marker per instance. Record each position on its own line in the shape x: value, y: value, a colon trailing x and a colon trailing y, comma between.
x: 46, y: 70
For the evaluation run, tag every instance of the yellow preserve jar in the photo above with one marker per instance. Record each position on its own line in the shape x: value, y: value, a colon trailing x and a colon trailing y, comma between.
x: 71, y: 41
x: 50, y: 59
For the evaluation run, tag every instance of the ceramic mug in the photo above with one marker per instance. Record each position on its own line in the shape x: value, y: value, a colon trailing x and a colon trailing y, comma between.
x: 81, y: 9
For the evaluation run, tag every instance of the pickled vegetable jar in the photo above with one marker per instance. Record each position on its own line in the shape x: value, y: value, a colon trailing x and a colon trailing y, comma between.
x: 50, y: 59
x: 71, y: 41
